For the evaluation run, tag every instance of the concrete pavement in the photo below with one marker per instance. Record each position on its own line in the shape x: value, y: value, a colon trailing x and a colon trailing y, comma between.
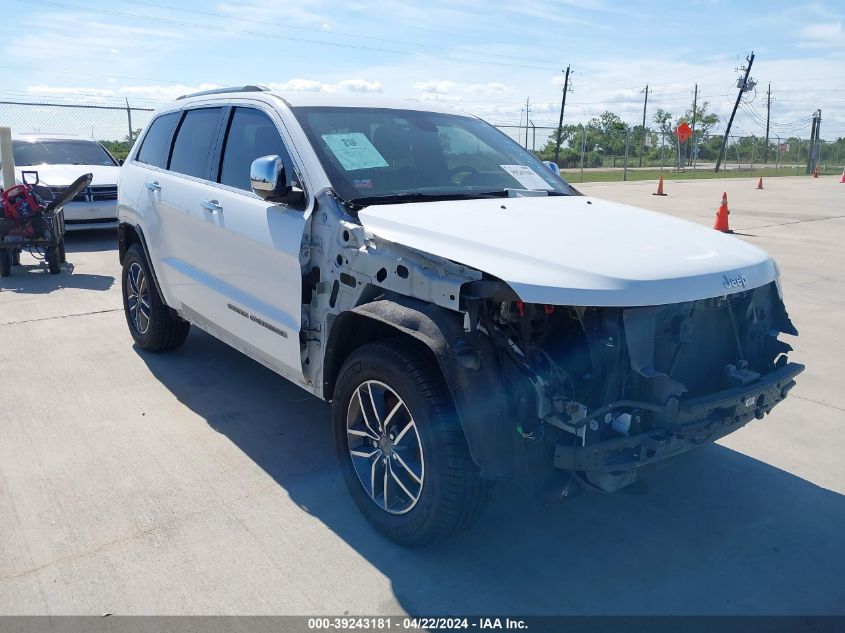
x: 199, y: 482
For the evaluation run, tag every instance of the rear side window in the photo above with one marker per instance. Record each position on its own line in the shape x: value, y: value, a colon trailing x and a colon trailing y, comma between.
x: 157, y: 141
x: 251, y: 135
x: 194, y: 141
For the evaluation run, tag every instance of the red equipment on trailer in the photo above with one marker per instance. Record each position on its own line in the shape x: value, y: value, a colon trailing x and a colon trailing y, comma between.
x: 28, y: 220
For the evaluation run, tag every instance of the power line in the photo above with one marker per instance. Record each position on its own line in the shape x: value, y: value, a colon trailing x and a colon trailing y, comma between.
x: 54, y: 71
x: 272, y: 36
x: 332, y: 32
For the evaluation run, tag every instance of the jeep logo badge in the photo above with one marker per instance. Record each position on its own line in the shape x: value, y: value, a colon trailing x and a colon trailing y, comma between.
x: 737, y: 281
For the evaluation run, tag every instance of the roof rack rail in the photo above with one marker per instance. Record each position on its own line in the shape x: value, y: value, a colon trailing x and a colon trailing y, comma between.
x: 223, y: 90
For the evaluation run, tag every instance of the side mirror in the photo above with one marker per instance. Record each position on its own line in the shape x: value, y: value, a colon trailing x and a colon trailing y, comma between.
x: 552, y: 167
x: 269, y: 180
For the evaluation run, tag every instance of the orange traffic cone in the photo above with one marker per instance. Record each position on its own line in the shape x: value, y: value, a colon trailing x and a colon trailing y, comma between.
x: 760, y: 183
x: 721, y: 223
x: 816, y: 171
x: 841, y: 180
x: 659, y: 191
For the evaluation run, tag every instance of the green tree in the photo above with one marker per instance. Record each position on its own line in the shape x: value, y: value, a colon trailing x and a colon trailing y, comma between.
x: 120, y: 149
x: 664, y: 122
x: 704, y: 122
x: 569, y: 137
x: 606, y: 134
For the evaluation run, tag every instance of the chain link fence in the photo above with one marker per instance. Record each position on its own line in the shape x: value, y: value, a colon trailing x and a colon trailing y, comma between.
x: 115, y: 126
x: 590, y: 152
x: 587, y: 152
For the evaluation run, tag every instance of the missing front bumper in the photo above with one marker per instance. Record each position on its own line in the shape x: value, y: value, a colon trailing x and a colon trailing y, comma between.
x: 698, y: 422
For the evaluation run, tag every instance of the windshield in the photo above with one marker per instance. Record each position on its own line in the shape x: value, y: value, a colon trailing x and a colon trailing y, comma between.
x: 371, y: 153
x: 60, y: 152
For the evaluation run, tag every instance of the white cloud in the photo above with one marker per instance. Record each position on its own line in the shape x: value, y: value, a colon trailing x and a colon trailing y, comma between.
x: 301, y: 12
x: 44, y: 89
x: 447, y: 90
x: 822, y: 35
x: 361, y: 85
x: 493, y: 87
x: 164, y: 93
x: 438, y: 96
x: 435, y: 86
x: 303, y: 85
x: 312, y: 85
x: 114, y: 51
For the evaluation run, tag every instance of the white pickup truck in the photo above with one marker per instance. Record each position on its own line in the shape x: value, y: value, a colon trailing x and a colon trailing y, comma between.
x: 470, y: 316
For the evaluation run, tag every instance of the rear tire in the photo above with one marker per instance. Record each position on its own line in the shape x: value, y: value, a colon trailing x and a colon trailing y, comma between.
x: 153, y: 325
x: 432, y: 489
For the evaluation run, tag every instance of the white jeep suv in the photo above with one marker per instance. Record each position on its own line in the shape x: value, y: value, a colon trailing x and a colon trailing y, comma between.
x: 470, y: 315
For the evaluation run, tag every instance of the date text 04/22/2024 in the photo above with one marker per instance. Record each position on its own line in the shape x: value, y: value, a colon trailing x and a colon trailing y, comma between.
x: 415, y: 623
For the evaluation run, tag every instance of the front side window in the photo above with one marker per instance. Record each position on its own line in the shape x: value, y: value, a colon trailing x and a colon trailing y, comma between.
x: 195, y: 139
x: 156, y: 143
x: 252, y: 134
x: 60, y: 152
x: 382, y: 153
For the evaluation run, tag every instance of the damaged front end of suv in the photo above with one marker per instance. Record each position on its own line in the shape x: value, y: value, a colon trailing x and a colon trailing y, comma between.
x: 605, y: 392
x: 568, y: 370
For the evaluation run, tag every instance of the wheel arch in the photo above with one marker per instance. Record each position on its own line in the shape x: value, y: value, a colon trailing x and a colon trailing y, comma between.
x: 129, y: 234
x: 466, y: 364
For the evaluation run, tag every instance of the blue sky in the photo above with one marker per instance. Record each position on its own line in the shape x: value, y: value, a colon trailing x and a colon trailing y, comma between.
x: 486, y: 57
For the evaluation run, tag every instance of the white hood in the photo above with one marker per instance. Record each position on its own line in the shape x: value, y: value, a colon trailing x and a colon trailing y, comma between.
x: 63, y: 175
x: 577, y: 250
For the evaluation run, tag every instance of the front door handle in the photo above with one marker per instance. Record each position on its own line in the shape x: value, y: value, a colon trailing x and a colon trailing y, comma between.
x: 211, y: 205
x: 152, y: 186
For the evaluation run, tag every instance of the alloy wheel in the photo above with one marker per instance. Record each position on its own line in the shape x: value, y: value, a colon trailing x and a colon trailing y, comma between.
x: 385, y: 447
x: 138, y: 298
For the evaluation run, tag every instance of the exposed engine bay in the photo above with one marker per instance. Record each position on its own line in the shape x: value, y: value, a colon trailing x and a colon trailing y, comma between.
x: 548, y: 390
x: 580, y: 377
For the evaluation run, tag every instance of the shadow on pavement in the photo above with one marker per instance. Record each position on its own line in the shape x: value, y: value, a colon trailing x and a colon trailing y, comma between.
x: 34, y: 279
x: 716, y: 532
x: 91, y: 241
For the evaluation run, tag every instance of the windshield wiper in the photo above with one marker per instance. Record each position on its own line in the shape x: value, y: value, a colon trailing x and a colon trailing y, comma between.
x: 417, y: 196
x: 359, y: 203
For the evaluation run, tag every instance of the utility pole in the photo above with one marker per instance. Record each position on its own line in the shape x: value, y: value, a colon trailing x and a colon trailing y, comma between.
x: 562, y: 106
x: 694, y: 111
x: 810, y: 145
x: 129, y: 119
x: 812, y: 158
x: 642, y: 138
x: 768, y: 115
x: 743, y: 87
x: 527, y: 110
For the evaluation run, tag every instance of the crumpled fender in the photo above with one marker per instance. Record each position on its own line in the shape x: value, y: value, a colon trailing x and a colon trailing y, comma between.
x: 468, y: 365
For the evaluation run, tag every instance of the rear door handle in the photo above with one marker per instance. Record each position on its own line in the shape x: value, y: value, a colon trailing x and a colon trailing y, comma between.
x: 211, y: 205
x: 152, y: 186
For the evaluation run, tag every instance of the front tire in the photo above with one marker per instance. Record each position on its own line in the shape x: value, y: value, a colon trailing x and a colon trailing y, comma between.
x: 401, y: 449
x: 153, y: 326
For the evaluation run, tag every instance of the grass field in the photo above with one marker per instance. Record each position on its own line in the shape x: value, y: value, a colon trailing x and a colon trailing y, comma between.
x: 613, y: 175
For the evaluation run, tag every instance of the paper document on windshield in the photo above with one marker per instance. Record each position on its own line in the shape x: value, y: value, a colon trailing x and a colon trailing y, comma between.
x: 526, y: 177
x: 354, y: 151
